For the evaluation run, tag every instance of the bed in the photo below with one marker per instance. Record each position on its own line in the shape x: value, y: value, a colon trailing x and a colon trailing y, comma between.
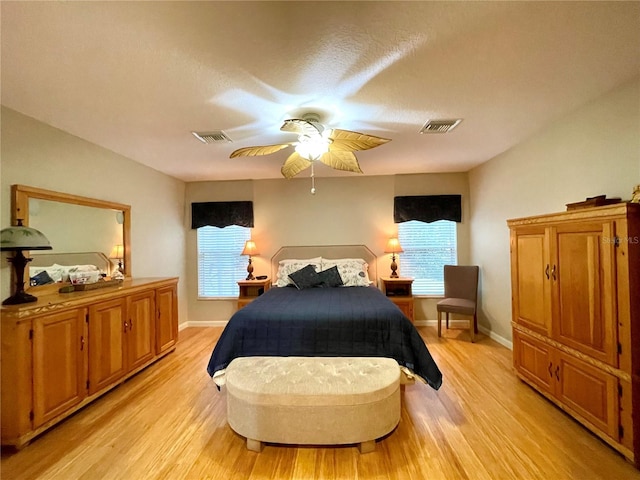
x: 324, y: 320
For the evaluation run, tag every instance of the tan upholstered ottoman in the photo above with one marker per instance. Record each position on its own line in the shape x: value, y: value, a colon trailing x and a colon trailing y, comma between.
x: 313, y: 400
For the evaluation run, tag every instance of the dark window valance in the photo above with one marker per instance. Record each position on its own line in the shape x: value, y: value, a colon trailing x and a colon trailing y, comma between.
x: 221, y: 214
x: 427, y: 208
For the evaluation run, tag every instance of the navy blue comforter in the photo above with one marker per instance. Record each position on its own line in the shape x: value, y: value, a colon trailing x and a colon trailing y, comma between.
x: 329, y: 322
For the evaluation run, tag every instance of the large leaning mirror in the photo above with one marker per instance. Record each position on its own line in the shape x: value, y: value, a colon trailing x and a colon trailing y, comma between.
x: 74, y: 224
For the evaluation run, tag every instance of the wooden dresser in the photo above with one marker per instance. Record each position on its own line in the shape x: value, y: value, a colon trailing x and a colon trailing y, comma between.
x: 575, y: 279
x: 67, y: 349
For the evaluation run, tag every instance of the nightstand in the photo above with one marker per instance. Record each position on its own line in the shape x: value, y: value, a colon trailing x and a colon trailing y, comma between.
x: 251, y: 289
x: 398, y: 290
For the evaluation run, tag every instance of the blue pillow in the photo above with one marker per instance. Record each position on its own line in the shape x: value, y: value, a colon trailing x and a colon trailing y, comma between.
x: 42, y: 278
x: 330, y: 277
x: 306, y: 277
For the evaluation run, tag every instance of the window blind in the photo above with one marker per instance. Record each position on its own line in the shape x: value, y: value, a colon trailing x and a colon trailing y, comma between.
x: 428, y: 247
x: 220, y: 264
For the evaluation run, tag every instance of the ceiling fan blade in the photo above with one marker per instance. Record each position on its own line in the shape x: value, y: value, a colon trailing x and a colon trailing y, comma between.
x: 294, y: 165
x: 255, y: 151
x: 301, y: 127
x: 341, y: 160
x: 346, y: 140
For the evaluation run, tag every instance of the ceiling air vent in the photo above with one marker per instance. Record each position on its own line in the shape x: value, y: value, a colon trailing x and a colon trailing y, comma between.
x: 440, y: 126
x: 212, y: 137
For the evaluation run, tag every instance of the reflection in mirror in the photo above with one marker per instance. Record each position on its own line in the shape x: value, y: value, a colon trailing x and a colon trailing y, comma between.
x: 74, y: 224
x: 76, y: 228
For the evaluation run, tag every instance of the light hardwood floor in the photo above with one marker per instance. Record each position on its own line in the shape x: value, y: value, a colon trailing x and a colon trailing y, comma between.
x: 169, y: 422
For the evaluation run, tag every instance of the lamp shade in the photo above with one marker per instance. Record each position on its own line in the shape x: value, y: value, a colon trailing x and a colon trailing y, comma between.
x: 393, y: 246
x: 250, y: 248
x: 20, y: 237
x: 17, y: 239
x: 117, y: 252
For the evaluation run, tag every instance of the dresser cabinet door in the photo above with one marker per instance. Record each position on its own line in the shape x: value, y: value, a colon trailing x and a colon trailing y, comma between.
x: 530, y: 274
x: 167, y: 318
x: 140, y: 324
x: 583, y: 290
x: 59, y: 364
x: 107, y: 332
x: 588, y: 392
x: 583, y: 390
x: 533, y: 360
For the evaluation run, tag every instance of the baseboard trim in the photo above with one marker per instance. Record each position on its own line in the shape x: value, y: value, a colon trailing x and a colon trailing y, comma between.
x: 208, y: 323
x: 465, y: 324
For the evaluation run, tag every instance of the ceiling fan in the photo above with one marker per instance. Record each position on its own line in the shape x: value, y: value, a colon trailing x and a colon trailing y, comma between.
x: 333, y: 147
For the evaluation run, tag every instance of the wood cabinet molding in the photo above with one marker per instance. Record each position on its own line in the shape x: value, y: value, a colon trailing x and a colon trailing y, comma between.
x: 613, y: 211
x: 54, y: 301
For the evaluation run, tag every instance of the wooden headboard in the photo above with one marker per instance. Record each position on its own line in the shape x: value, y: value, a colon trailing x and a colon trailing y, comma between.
x: 98, y: 259
x: 326, y: 251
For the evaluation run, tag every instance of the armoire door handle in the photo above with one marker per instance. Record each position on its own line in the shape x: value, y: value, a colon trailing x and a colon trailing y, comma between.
x: 549, y: 369
x: 558, y: 373
x: 546, y: 272
x: 553, y: 272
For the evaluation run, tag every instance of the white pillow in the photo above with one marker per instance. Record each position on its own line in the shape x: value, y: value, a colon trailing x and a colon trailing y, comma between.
x: 288, y: 266
x: 66, y: 269
x: 353, y: 271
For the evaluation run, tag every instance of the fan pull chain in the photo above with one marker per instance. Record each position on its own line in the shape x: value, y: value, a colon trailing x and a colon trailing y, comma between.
x: 313, y: 181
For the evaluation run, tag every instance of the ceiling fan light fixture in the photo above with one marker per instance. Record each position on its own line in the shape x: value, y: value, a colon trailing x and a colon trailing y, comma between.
x: 312, y: 148
x: 333, y: 147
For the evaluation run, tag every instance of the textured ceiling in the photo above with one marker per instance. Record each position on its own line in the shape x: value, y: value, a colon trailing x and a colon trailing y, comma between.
x: 138, y: 77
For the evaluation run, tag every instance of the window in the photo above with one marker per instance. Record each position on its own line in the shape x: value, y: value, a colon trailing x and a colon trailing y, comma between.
x: 428, y: 247
x: 220, y: 264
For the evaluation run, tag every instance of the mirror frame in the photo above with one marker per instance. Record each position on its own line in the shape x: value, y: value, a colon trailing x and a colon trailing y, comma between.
x: 20, y: 195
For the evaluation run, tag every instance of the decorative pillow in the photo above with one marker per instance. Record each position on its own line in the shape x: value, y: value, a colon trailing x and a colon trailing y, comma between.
x: 330, y: 277
x: 353, y: 271
x: 41, y: 278
x: 287, y: 267
x: 56, y: 273
x: 306, y: 277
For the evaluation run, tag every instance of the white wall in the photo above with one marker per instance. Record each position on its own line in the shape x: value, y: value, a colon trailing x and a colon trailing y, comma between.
x: 593, y: 150
x: 38, y: 155
x: 351, y: 210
